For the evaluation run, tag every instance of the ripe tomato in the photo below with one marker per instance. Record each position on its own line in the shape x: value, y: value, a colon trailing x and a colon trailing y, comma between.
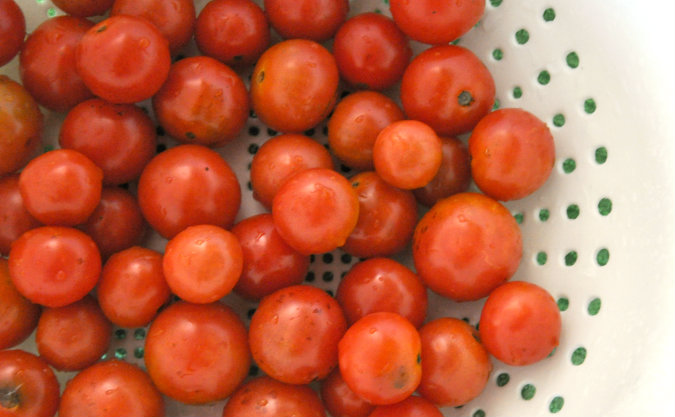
x: 54, y: 266
x: 340, y: 400
x: 520, y: 323
x: 14, y: 218
x: 448, y: 88
x: 103, y: 389
x: 294, y: 85
x: 84, y: 8
x: 412, y: 406
x: 188, y: 185
x: 454, y: 175
x: 18, y: 316
x: 466, y: 245
x: 123, y: 59
x: 380, y: 358
x: 300, y: 206
x: 371, y: 51
x: 207, y: 348
x: 28, y: 386
x: 294, y: 334
x: 512, y: 154
x: 317, y: 20
x: 12, y: 30
x: 203, y: 101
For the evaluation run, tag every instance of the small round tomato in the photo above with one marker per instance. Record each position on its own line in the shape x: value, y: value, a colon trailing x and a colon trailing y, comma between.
x: 412, y: 406
x: 103, y: 389
x: 355, y: 124
x: 300, y: 206
x: 294, y: 334
x: 132, y: 287
x: 208, y: 351
x: 84, y: 8
x: 340, y: 400
x: 12, y: 30
x: 47, y: 63
x: 123, y: 59
x: 203, y: 101
x: 380, y: 358
x: 456, y: 366
x: 279, y: 158
x: 28, y: 386
x: 294, y: 85
x: 18, y: 316
x: 371, y: 51
x: 454, y: 175
x: 188, y: 185
x: 54, y: 266
x: 466, y: 245
x: 448, y: 88
x: 512, y: 154
x: 235, y: 32
x: 73, y: 337
x: 61, y: 187
x: 14, y: 218
x: 520, y: 323
x: 317, y: 20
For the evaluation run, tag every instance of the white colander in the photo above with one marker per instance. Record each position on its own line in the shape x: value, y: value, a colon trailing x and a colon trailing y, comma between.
x: 599, y: 235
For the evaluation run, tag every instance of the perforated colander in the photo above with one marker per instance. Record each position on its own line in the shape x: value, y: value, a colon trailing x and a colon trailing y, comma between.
x: 599, y: 235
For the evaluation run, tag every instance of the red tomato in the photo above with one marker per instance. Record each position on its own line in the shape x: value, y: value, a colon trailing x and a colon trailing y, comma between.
x: 412, y: 406
x: 12, y: 30
x: 123, y: 59
x: 340, y: 400
x: 235, y: 32
x: 380, y: 358
x: 454, y: 175
x: 300, y: 206
x: 448, y: 88
x: 269, y: 263
x: 520, y: 323
x: 207, y: 348
x: 203, y: 101
x: 103, y: 389
x: 456, y: 366
x: 294, y: 85
x: 14, y: 218
x: 29, y: 386
x: 317, y: 20
x: 466, y: 246
x: 294, y: 334
x: 264, y: 396
x: 279, y: 158
x: 18, y: 316
x: 73, y: 337
x: 371, y: 52
x: 512, y: 154
x: 188, y: 185
x: 61, y: 187
x: 132, y: 287
x: 84, y: 8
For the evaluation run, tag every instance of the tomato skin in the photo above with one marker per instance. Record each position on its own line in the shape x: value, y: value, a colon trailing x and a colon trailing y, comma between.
x: 317, y: 20
x: 340, y: 400
x: 413, y: 406
x: 14, y: 218
x: 454, y: 175
x: 84, y: 8
x: 12, y: 30
x: 18, y: 316
x: 520, y: 323
x: 29, y: 386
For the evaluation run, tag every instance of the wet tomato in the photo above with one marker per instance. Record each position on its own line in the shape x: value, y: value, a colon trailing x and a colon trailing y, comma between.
x: 28, y: 386
x: 340, y: 400
x: 317, y: 20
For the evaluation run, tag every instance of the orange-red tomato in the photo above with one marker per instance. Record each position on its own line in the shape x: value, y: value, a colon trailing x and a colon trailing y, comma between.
x: 340, y: 400
x: 454, y: 175
x: 14, y: 218
x: 84, y: 8
x: 317, y: 20
x: 12, y: 30
x: 18, y: 316
x: 29, y: 386
x: 412, y: 406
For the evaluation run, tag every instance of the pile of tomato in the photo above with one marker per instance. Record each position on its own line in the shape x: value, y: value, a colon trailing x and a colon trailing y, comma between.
x: 417, y: 130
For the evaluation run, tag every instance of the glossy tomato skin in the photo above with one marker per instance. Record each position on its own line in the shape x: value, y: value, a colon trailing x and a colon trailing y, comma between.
x: 18, y: 316
x: 203, y: 101
x: 340, y: 400
x: 188, y: 185
x: 12, y: 30
x: 520, y: 323
x: 294, y: 334
x: 466, y: 245
x: 14, y: 218
x: 207, y: 344
x: 47, y: 63
x: 413, y: 406
x: 454, y: 175
x: 29, y: 386
x: 512, y: 154
x: 84, y: 8
x: 317, y: 20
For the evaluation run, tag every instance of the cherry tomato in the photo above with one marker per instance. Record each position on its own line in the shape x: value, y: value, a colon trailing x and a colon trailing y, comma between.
x: 203, y: 101
x: 14, y: 218
x: 412, y: 406
x: 466, y: 245
x: 132, y: 287
x: 269, y: 263
x: 123, y: 59
x: 454, y: 175
x: 317, y: 20
x: 84, y: 8
x: 300, y: 206
x: 264, y: 396
x: 207, y: 348
x: 12, y: 30
x: 448, y: 88
x: 61, y: 187
x: 294, y: 85
x: 54, y: 266
x: 456, y: 366
x: 73, y: 337
x: 520, y: 323
x: 371, y: 52
x: 512, y: 154
x: 28, y: 386
x: 340, y: 400
x: 47, y: 63
x: 279, y: 158
x: 235, y: 32
x: 18, y: 316
x: 188, y: 185
x: 103, y: 389
x: 294, y: 334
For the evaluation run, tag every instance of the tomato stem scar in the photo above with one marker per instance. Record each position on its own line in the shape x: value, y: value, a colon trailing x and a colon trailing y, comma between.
x: 465, y: 98
x: 9, y: 398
